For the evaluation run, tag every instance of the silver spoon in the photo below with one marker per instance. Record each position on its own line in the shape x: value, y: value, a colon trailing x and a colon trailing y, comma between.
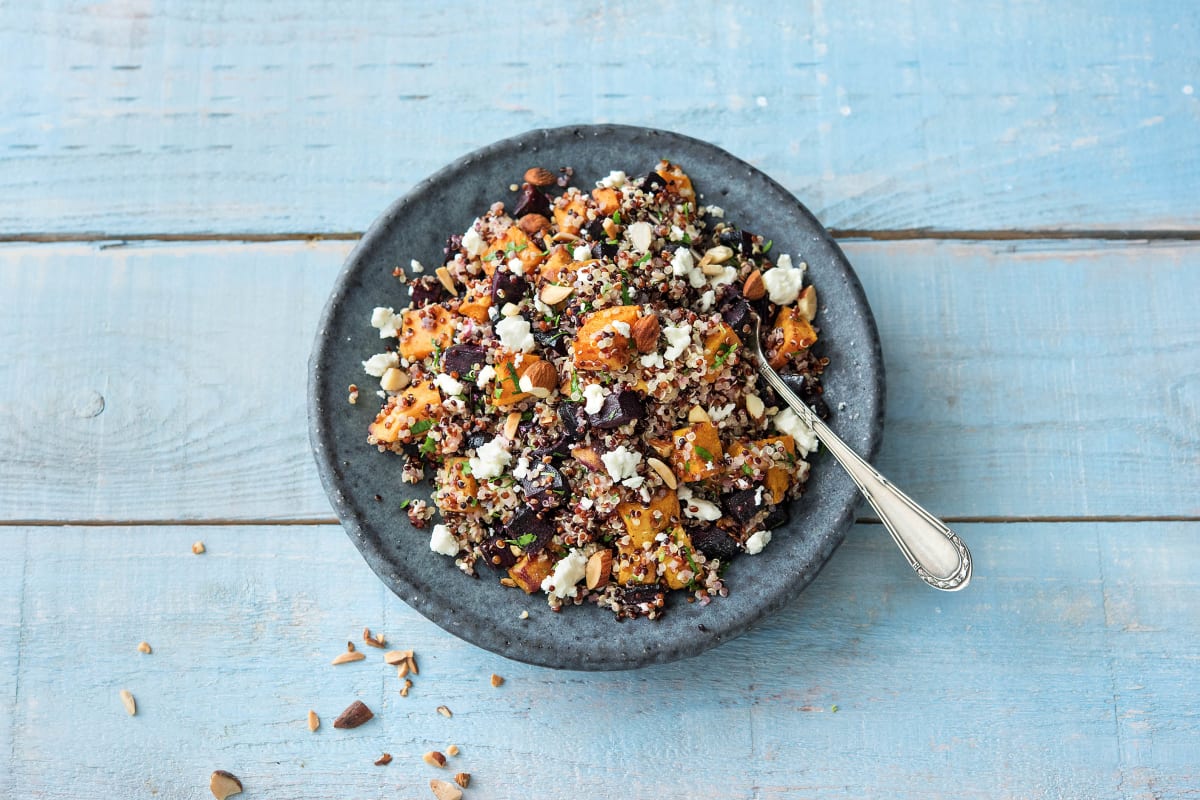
x: 933, y: 550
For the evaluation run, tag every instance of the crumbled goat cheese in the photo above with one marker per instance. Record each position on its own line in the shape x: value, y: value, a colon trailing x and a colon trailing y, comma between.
x: 757, y: 541
x: 641, y: 235
x: 449, y: 386
x: 726, y: 275
x: 652, y: 360
x: 783, y: 281
x: 521, y: 470
x: 621, y: 463
x: 567, y: 572
x: 516, y: 266
x: 682, y: 262
x: 678, y: 339
x: 472, y: 242
x: 379, y: 363
x: 387, y: 321
x: 788, y: 422
x: 441, y: 541
x: 677, y: 233
x: 616, y: 179
x: 707, y: 300
x: 514, y: 334
x: 581, y: 253
x: 620, y: 327
x: 416, y: 266
x: 486, y: 373
x: 634, y: 483
x: 718, y: 413
x: 715, y: 211
x: 703, y: 509
x: 593, y: 394
x: 490, y: 459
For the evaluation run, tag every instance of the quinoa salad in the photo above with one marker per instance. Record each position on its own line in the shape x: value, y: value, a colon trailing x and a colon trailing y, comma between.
x: 573, y: 379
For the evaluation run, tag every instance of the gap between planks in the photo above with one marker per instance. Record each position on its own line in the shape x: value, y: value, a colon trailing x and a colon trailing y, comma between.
x: 319, y: 521
x: 884, y: 235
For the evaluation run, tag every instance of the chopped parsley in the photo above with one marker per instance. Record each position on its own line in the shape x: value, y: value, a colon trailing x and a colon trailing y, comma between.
x: 726, y: 351
x: 703, y: 453
x: 616, y: 217
x: 626, y: 297
x: 576, y: 392
x: 767, y: 247
x: 643, y: 259
x: 746, y: 470
x: 421, y: 425
x: 513, y: 376
x: 428, y: 446
x: 405, y: 503
x: 524, y: 540
x: 466, y: 468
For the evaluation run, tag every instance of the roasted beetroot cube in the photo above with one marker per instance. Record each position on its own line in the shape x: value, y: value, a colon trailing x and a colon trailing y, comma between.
x: 545, y: 487
x: 464, y: 359
x: 531, y: 201
x: 496, y: 552
x: 714, y: 542
x: 507, y: 287
x: 618, y: 408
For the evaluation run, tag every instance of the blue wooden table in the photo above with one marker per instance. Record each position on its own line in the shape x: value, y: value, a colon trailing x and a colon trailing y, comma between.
x: 1018, y: 185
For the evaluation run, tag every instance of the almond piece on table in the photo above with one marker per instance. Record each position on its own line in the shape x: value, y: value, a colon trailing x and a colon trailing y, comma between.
x: 445, y: 791
x: 463, y: 779
x: 314, y: 721
x: 198, y: 548
x: 452, y: 750
x: 374, y: 641
x: 434, y: 759
x: 348, y: 656
x: 383, y: 760
x: 496, y: 680
x: 224, y: 784
x: 144, y: 647
x: 443, y: 275
x: 645, y: 333
x: 395, y: 657
x: 539, y: 176
x: 754, y: 288
x: 552, y: 293
x: 599, y: 569
x: 445, y: 712
x: 355, y: 714
x: 754, y: 406
x: 128, y: 701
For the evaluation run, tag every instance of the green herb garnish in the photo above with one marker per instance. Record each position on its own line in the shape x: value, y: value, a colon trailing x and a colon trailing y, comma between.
x: 422, y: 425
x: 576, y: 392
x: 626, y: 297
x: 428, y: 446
x: 747, y: 471
x: 643, y: 259
x: 524, y: 540
x: 766, y: 248
x: 406, y: 503
x: 616, y: 217
x: 513, y: 376
x: 703, y: 453
x: 686, y: 239
x: 725, y: 353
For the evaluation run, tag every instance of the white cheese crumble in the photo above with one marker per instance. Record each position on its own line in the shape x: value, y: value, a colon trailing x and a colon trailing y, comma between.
x: 490, y: 460
x: 516, y: 266
x: 449, y: 386
x: 567, y: 572
x: 718, y: 413
x: 514, y: 334
x: 521, y: 470
x: 380, y: 363
x: 696, y: 508
x: 416, y: 266
x: 634, y: 483
x: 581, y: 253
x: 486, y: 373
x: 653, y: 360
x: 707, y: 300
x: 757, y: 541
x: 616, y: 179
x: 620, y: 327
x: 788, y: 422
x: 622, y: 463
x: 682, y: 262
x: 726, y: 275
x: 641, y: 235
x: 387, y: 321
x: 678, y: 338
x: 593, y: 395
x: 715, y: 211
x: 441, y: 541
x: 472, y: 242
x: 783, y: 281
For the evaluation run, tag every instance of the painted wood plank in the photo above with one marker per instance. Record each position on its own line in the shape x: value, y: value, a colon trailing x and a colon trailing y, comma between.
x: 1067, y: 669
x: 257, y: 117
x: 167, y: 382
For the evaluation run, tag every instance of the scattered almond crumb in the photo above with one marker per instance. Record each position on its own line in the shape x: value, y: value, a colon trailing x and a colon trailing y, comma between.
x: 445, y: 712
x: 496, y: 679
x: 463, y: 779
x: 434, y: 759
x: 405, y: 688
x: 314, y: 721
x: 374, y: 641
x: 198, y: 548
x: 347, y: 657
x: 445, y: 791
x: 352, y: 394
x: 144, y: 647
x: 452, y: 750
x: 128, y: 701
x: 350, y: 648
x: 383, y: 760
x: 524, y: 615
x: 224, y: 784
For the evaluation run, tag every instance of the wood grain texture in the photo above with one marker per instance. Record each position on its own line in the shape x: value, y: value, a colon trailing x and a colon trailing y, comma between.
x: 1067, y: 669
x: 134, y: 117
x: 167, y: 382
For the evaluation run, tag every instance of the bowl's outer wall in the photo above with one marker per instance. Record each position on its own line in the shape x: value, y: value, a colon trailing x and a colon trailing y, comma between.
x: 482, y: 611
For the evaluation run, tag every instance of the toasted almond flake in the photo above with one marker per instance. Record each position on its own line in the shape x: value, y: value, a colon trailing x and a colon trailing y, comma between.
x: 463, y: 779
x: 346, y: 658
x: 445, y: 712
x: 563, y: 236
x: 445, y: 791
x: 496, y: 680
x: 443, y: 275
x: 611, y: 229
x: 754, y: 288
x: 664, y: 472
x: 128, y: 701
x: 719, y: 254
x: 144, y: 647
x: 434, y: 759
x: 383, y: 760
x: 807, y: 303
x: 512, y: 423
x: 698, y: 414
x: 412, y: 663
x: 402, y: 668
x: 393, y: 380
x: 509, y: 582
x: 314, y: 721
x: 552, y: 293
x: 224, y: 784
x: 452, y: 750
x: 754, y: 406
x: 710, y: 269
x: 198, y: 548
x: 524, y: 615
x: 599, y: 569
x: 395, y: 657
x: 376, y: 640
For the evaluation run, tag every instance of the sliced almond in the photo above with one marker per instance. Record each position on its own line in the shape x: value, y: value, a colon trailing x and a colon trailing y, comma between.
x: 588, y: 457
x: 412, y: 663
x: 599, y: 569
x: 314, y: 721
x: 347, y: 657
x: 496, y: 680
x: 394, y: 380
x: 611, y: 229
x: 641, y: 235
x: 434, y: 759
x: 402, y: 669
x: 564, y: 236
x: 754, y: 406
x: 512, y: 423
x: 128, y: 701
x: 710, y: 269
x: 404, y: 689
x: 144, y: 647
x: 664, y: 472
x: 698, y: 414
x: 552, y: 293
x: 807, y: 303
x: 661, y: 446
x: 395, y: 657
x: 443, y: 275
x: 445, y: 712
x: 719, y: 254
x: 445, y: 791
x: 224, y: 784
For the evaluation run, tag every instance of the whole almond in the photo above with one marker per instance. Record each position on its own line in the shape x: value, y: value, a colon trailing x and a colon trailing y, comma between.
x: 539, y: 176
x: 645, y: 333
x: 599, y: 569
x: 542, y: 375
x: 355, y: 714
x: 533, y: 223
x: 754, y: 288
x: 443, y: 790
x: 224, y: 784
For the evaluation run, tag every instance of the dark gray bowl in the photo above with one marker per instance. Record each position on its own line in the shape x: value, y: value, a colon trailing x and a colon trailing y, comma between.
x: 482, y: 611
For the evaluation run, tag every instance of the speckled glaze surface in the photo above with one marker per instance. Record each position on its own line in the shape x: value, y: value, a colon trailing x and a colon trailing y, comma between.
x: 482, y: 611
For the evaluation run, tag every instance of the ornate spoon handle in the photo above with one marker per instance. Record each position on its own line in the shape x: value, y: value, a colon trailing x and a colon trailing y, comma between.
x: 936, y: 553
